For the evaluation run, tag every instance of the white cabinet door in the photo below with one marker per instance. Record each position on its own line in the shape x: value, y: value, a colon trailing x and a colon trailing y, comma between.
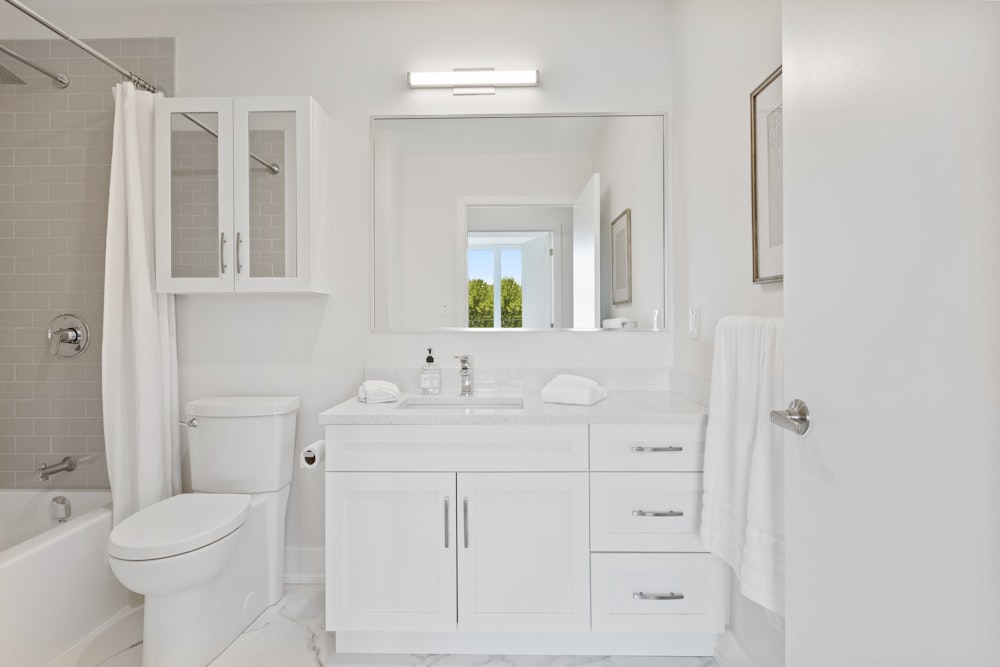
x: 194, y: 195
x: 390, y: 551
x: 523, y: 552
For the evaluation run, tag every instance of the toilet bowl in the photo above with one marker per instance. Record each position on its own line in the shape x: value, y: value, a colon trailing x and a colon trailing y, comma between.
x: 211, y: 561
x: 179, y: 543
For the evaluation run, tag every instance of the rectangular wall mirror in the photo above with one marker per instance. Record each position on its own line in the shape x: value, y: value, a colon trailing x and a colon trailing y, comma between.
x: 504, y: 222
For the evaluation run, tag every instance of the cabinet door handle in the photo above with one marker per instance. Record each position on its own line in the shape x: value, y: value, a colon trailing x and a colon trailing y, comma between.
x: 447, y: 528
x: 239, y: 247
x: 672, y: 448
x: 657, y: 596
x: 648, y: 513
x: 222, y: 251
x: 465, y: 521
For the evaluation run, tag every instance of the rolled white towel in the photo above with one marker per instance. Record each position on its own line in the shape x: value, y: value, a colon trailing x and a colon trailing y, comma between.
x: 378, y: 391
x: 614, y: 323
x: 573, y: 390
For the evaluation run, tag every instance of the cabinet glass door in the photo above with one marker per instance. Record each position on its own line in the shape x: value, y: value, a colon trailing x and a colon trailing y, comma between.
x: 271, y: 158
x: 194, y: 195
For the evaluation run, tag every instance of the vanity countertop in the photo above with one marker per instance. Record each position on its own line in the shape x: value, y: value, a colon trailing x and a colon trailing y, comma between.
x: 620, y: 407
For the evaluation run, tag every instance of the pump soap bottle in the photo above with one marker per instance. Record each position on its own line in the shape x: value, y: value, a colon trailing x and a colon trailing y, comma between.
x: 430, y: 376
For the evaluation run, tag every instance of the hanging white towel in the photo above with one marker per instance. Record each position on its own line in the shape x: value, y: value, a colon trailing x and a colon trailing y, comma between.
x: 743, y: 502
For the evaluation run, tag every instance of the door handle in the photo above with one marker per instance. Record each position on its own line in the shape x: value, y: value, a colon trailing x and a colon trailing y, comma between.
x: 447, y: 521
x: 465, y: 522
x: 795, y: 418
x: 648, y: 513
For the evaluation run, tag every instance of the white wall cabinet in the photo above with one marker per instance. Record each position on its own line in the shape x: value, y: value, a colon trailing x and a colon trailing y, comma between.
x: 225, y: 220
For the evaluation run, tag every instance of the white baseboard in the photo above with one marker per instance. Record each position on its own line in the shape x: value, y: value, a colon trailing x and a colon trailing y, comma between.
x: 729, y: 653
x: 304, y: 565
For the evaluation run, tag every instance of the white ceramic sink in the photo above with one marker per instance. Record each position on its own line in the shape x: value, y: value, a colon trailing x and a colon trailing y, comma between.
x: 453, y: 402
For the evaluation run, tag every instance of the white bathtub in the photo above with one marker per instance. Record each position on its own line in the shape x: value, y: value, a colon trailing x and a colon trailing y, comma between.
x: 55, y: 583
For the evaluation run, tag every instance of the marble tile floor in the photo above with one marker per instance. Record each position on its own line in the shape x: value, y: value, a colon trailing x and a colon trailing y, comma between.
x: 290, y: 634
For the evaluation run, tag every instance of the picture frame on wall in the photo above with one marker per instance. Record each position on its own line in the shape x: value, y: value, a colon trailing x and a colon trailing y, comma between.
x: 766, y: 180
x: 621, y: 258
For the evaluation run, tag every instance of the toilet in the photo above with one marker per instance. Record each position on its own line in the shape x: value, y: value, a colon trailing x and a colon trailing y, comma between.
x: 209, y: 562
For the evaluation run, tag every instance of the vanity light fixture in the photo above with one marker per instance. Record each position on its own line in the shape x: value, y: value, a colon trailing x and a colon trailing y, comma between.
x: 473, y: 81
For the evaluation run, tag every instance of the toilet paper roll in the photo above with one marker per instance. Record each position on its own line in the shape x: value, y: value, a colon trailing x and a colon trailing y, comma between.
x: 313, y: 455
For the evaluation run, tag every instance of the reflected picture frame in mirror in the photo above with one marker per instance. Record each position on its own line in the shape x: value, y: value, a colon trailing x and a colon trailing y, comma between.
x: 621, y: 258
x: 428, y: 196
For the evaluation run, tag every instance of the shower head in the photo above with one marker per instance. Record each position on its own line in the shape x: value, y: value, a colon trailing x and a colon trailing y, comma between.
x: 6, y: 76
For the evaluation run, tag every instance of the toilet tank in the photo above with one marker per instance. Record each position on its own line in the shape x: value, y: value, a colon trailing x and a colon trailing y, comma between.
x: 241, y: 444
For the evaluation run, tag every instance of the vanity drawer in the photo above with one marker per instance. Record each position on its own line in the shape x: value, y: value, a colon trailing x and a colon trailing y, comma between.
x: 645, y: 511
x: 624, y: 588
x: 456, y: 448
x: 647, y: 447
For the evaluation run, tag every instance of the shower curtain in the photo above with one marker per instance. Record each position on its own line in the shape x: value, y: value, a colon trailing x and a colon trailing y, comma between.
x: 139, y: 352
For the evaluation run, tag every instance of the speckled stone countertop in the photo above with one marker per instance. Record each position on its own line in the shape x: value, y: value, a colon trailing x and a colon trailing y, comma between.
x: 620, y: 407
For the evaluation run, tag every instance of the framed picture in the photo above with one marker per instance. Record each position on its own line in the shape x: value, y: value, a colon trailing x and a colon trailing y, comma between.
x: 766, y: 180
x: 621, y: 258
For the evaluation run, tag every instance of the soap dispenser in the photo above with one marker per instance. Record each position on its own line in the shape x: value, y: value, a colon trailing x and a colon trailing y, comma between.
x: 430, y: 376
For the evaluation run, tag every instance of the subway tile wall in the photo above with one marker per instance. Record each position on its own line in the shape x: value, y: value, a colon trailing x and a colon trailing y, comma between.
x: 55, y: 156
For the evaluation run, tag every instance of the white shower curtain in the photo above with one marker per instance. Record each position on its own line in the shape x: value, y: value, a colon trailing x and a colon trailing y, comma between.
x: 139, y: 353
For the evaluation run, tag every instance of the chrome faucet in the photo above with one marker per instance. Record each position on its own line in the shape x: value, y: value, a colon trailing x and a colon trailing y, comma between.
x: 68, y: 464
x: 465, y: 371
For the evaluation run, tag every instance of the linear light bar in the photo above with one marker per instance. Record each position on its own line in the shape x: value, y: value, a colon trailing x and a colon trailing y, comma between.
x: 473, y: 78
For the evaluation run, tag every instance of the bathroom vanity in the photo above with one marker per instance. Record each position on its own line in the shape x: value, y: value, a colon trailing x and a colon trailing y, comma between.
x: 492, y: 528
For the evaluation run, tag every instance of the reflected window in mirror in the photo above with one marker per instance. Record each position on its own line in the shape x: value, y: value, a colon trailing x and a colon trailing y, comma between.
x: 548, y: 186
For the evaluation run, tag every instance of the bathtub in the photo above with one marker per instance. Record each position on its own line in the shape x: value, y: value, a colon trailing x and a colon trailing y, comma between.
x: 55, y: 583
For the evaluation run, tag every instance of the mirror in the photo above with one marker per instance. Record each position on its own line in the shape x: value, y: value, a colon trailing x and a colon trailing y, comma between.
x: 504, y: 222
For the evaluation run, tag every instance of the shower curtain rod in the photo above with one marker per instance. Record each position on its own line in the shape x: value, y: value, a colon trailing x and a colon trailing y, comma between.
x: 136, y: 80
x: 61, y: 79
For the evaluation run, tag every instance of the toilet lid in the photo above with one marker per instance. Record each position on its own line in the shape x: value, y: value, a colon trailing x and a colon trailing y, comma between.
x: 177, y: 525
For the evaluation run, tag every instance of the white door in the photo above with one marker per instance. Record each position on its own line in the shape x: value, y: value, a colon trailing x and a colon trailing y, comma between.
x: 587, y: 255
x: 390, y: 550
x: 524, y: 554
x: 892, y: 286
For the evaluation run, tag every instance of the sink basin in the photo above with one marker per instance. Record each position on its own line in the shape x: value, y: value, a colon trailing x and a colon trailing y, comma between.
x: 461, y: 402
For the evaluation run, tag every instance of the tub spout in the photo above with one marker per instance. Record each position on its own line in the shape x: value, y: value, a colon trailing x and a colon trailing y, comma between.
x: 68, y: 464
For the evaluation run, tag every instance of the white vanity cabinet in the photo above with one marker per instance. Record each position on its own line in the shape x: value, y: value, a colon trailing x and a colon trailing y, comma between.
x: 519, y: 533
x: 240, y: 189
x: 497, y: 543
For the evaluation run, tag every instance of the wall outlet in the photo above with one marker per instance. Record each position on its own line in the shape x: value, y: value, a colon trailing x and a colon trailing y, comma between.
x: 694, y: 323
x: 445, y: 310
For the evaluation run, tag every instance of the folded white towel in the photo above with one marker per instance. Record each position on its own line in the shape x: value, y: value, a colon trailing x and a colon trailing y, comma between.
x: 378, y: 391
x: 615, y: 323
x: 573, y: 390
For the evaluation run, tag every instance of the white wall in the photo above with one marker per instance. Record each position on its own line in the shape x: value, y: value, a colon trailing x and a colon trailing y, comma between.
x: 722, y: 50
x: 593, y: 56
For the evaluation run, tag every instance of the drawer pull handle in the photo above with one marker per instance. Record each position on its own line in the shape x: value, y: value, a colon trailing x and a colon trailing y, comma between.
x: 657, y: 596
x: 639, y: 448
x: 647, y: 513
x: 447, y: 528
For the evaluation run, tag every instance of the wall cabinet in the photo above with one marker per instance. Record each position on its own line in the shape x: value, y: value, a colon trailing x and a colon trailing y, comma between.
x: 240, y: 195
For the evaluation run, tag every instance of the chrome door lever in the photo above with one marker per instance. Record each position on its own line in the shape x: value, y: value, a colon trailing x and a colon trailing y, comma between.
x: 795, y: 418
